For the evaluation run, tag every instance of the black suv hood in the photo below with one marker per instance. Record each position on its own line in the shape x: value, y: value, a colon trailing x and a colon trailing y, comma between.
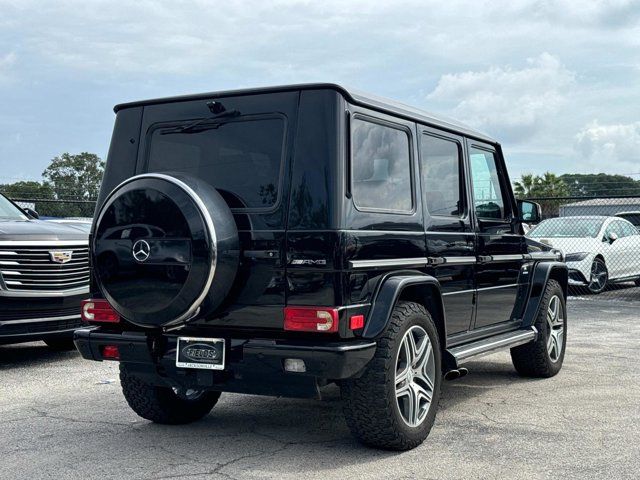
x: 38, y: 230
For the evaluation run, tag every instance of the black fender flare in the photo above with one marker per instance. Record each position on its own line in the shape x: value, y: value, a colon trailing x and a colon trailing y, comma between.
x: 541, y: 274
x: 387, y: 295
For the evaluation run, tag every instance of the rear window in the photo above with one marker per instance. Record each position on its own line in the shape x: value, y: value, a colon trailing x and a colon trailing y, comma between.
x: 241, y: 158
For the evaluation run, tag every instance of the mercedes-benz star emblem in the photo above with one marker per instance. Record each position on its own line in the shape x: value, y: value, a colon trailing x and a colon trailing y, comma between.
x: 141, y: 250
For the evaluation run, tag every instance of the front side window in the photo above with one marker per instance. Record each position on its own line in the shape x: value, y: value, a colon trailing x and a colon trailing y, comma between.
x: 619, y: 228
x: 442, y: 177
x: 487, y: 192
x: 381, y: 167
x: 628, y: 229
x: 241, y: 158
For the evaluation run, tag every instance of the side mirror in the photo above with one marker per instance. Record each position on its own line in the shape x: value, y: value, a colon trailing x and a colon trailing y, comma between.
x: 529, y: 212
x: 612, y: 237
x: 31, y: 212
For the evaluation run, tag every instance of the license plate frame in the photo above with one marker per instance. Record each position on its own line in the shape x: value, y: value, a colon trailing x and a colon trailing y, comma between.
x: 201, y: 358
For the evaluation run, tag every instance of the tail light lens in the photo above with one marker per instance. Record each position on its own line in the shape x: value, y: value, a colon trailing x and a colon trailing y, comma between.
x: 311, y: 319
x: 356, y: 322
x: 110, y: 352
x: 98, y: 311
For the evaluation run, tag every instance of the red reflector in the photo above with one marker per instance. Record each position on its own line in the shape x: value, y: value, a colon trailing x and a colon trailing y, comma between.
x: 356, y: 322
x: 98, y: 310
x: 110, y: 352
x: 311, y: 319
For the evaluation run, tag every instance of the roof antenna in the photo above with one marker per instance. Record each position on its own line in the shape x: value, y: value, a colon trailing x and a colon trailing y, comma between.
x: 215, y: 107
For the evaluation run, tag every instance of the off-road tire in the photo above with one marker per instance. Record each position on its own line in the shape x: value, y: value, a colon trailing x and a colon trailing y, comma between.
x: 64, y: 344
x: 369, y: 402
x: 532, y: 359
x: 161, y: 404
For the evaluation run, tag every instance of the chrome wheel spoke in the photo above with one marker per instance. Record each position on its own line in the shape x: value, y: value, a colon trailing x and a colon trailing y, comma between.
x: 423, y: 353
x: 402, y: 378
x: 415, y: 376
x: 555, y: 324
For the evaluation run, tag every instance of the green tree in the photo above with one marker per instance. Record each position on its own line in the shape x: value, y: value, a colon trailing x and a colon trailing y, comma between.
x: 546, y: 185
x: 36, y: 192
x: 601, y: 184
x: 75, y: 177
x: 28, y: 190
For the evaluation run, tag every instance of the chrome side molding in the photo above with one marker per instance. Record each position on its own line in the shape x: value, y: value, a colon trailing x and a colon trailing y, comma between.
x: 463, y: 260
x: 412, y: 262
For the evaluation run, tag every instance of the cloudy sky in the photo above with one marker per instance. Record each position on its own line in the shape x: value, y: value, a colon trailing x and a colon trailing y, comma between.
x: 558, y: 82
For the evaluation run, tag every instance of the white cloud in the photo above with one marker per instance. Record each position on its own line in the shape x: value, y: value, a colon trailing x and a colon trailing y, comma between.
x: 74, y: 59
x: 610, y: 148
x: 513, y: 102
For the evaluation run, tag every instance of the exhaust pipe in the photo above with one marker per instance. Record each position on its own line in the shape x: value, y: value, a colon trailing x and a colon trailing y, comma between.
x: 456, y: 373
x: 452, y: 374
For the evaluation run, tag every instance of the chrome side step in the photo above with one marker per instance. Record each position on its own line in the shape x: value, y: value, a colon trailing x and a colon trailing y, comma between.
x: 491, y: 344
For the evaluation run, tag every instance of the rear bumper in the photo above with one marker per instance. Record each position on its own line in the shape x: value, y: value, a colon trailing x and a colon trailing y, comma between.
x: 252, y: 365
x: 28, y: 330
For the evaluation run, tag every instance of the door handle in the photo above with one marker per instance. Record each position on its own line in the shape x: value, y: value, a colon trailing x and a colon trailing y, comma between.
x: 261, y: 254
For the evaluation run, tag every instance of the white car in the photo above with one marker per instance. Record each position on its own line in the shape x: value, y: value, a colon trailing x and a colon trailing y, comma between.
x: 598, y: 250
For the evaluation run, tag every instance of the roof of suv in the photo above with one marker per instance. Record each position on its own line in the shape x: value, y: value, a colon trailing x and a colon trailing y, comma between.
x: 354, y: 96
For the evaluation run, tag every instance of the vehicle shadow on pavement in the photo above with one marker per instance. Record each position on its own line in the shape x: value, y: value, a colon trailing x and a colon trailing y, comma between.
x: 31, y: 355
x: 484, y: 376
x: 285, y: 436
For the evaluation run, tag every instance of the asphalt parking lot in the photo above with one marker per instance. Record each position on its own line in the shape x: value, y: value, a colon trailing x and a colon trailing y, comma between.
x: 61, y: 417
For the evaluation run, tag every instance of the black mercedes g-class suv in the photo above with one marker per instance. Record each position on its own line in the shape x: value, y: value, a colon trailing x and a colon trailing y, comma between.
x: 44, y: 274
x: 275, y: 240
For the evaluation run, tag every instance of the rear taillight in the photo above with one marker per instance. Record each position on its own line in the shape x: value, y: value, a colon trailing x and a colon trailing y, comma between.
x: 311, y: 319
x: 98, y: 311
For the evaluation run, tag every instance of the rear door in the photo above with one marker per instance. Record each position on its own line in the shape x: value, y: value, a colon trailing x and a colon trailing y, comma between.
x: 244, y: 156
x: 500, y: 247
x: 450, y: 238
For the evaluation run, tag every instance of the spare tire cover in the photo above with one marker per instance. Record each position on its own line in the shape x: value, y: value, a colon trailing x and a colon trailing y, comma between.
x: 165, y: 249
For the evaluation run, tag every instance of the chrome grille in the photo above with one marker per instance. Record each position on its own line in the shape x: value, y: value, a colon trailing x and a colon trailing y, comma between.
x: 31, y: 268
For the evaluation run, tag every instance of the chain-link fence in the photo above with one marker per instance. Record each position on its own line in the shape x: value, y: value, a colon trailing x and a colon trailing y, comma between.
x: 601, y: 241
x: 58, y: 208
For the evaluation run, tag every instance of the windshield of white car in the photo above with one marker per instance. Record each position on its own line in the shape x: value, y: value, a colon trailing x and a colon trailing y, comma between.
x: 8, y: 211
x: 570, y: 227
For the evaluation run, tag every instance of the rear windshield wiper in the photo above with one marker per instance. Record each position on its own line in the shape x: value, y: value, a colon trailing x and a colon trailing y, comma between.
x: 191, y: 127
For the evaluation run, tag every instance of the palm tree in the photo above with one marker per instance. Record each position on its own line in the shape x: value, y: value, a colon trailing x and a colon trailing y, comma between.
x: 543, y: 188
x: 523, y: 188
x: 546, y: 185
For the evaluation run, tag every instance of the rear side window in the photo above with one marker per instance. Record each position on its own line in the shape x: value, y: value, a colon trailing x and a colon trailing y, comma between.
x: 242, y: 158
x: 381, y: 167
x: 442, y: 177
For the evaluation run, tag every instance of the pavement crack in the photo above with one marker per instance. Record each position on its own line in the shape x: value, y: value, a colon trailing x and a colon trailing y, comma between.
x: 45, y: 414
